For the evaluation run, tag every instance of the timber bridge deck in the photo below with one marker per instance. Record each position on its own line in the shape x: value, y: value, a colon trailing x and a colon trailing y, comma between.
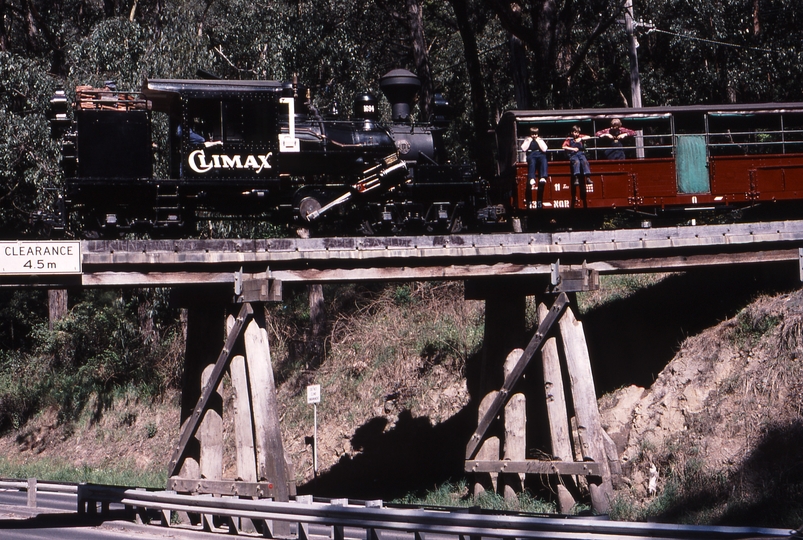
x: 165, y: 263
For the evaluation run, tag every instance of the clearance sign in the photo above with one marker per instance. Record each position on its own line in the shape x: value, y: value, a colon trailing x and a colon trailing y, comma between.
x: 49, y: 257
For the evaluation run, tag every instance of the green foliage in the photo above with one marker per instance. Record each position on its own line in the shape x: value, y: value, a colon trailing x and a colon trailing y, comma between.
x: 403, y: 295
x: 107, y: 342
x: 20, y: 312
x: 27, y: 155
x: 47, y: 470
x: 457, y: 495
x: 128, y: 52
x: 751, y: 326
x: 715, y: 51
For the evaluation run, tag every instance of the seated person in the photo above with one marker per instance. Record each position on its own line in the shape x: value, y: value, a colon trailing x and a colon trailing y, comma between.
x: 536, y: 148
x: 195, y: 138
x: 574, y: 146
x: 614, y: 135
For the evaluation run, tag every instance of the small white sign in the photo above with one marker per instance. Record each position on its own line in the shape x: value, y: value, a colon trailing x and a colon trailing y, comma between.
x: 40, y: 257
x: 313, y: 394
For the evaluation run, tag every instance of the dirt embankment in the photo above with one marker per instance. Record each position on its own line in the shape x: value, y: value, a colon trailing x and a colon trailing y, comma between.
x: 722, y: 422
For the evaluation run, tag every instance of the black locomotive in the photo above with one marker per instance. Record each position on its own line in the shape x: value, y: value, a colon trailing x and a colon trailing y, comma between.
x: 257, y: 149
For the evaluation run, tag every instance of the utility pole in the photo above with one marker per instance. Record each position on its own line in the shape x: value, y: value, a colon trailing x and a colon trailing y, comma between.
x: 635, y: 79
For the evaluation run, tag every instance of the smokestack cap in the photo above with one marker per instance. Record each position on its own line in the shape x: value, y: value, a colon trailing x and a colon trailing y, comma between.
x: 400, y: 87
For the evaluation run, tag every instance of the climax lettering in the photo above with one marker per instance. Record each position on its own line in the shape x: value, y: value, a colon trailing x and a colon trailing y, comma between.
x: 201, y: 163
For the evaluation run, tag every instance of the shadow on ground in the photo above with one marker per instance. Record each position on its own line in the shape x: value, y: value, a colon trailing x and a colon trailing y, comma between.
x: 411, y: 457
x: 764, y: 492
x: 631, y: 340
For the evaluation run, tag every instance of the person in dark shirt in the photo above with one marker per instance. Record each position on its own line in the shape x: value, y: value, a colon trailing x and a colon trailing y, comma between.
x: 574, y: 145
x: 614, y: 136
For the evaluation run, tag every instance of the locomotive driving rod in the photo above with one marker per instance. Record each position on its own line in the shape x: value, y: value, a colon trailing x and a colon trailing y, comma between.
x: 390, y: 167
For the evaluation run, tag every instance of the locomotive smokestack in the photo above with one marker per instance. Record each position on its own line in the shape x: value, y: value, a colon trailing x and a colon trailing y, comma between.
x: 400, y: 87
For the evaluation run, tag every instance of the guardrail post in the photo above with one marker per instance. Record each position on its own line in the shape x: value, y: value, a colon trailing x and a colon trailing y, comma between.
x: 166, y: 516
x: 303, y: 527
x: 337, y: 530
x: 372, y: 533
x: 86, y: 504
x: 31, y: 492
x: 140, y: 513
x: 207, y: 520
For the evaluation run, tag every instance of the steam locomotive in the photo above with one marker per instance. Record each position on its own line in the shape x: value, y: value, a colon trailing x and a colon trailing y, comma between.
x: 261, y: 150
x: 257, y: 149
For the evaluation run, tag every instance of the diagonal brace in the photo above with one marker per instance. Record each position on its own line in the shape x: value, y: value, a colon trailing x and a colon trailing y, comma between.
x: 535, y: 345
x: 191, y: 425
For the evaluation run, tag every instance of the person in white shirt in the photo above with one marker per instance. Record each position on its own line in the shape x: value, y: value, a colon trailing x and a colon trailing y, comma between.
x: 536, y: 148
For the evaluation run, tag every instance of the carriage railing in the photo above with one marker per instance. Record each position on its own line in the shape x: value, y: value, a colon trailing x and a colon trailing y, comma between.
x: 655, y: 146
x: 782, y: 141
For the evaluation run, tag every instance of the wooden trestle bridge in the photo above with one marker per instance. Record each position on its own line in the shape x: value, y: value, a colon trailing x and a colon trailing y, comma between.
x: 221, y: 277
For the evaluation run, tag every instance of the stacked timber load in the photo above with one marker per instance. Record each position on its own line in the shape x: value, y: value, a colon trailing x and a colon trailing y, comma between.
x: 87, y: 97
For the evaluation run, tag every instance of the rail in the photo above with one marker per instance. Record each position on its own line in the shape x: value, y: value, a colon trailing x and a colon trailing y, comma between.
x: 32, y: 487
x: 375, y: 519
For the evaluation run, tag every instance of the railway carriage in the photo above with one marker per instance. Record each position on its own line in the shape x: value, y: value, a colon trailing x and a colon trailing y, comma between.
x: 683, y: 160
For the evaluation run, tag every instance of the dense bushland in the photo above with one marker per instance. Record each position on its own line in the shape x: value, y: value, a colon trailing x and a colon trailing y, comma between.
x: 109, y: 341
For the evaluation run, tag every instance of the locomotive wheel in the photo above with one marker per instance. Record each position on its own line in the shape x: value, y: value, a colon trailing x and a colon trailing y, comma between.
x: 307, y: 206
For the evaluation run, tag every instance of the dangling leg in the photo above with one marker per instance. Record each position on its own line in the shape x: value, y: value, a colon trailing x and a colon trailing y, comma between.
x: 585, y: 168
x: 542, y: 168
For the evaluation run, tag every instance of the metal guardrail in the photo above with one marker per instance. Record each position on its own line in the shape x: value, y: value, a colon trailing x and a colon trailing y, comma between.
x: 33, y: 483
x: 33, y: 486
x: 377, y: 519
x: 374, y: 518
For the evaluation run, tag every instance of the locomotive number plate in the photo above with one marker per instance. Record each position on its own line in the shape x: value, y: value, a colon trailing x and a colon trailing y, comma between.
x: 45, y: 257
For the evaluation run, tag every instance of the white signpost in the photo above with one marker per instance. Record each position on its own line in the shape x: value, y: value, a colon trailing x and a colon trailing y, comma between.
x: 40, y: 257
x: 314, y: 397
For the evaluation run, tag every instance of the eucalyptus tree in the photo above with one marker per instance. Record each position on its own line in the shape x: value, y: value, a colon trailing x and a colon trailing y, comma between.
x: 28, y: 158
x: 559, y: 34
x: 719, y: 51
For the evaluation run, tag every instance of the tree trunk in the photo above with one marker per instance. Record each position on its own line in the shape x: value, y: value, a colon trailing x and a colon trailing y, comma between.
x: 317, y: 314
x: 481, y: 150
x: 521, y: 75
x: 415, y: 21
x: 57, y: 305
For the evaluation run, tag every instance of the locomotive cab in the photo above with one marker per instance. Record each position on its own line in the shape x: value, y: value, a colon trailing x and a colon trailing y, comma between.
x: 220, y: 130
